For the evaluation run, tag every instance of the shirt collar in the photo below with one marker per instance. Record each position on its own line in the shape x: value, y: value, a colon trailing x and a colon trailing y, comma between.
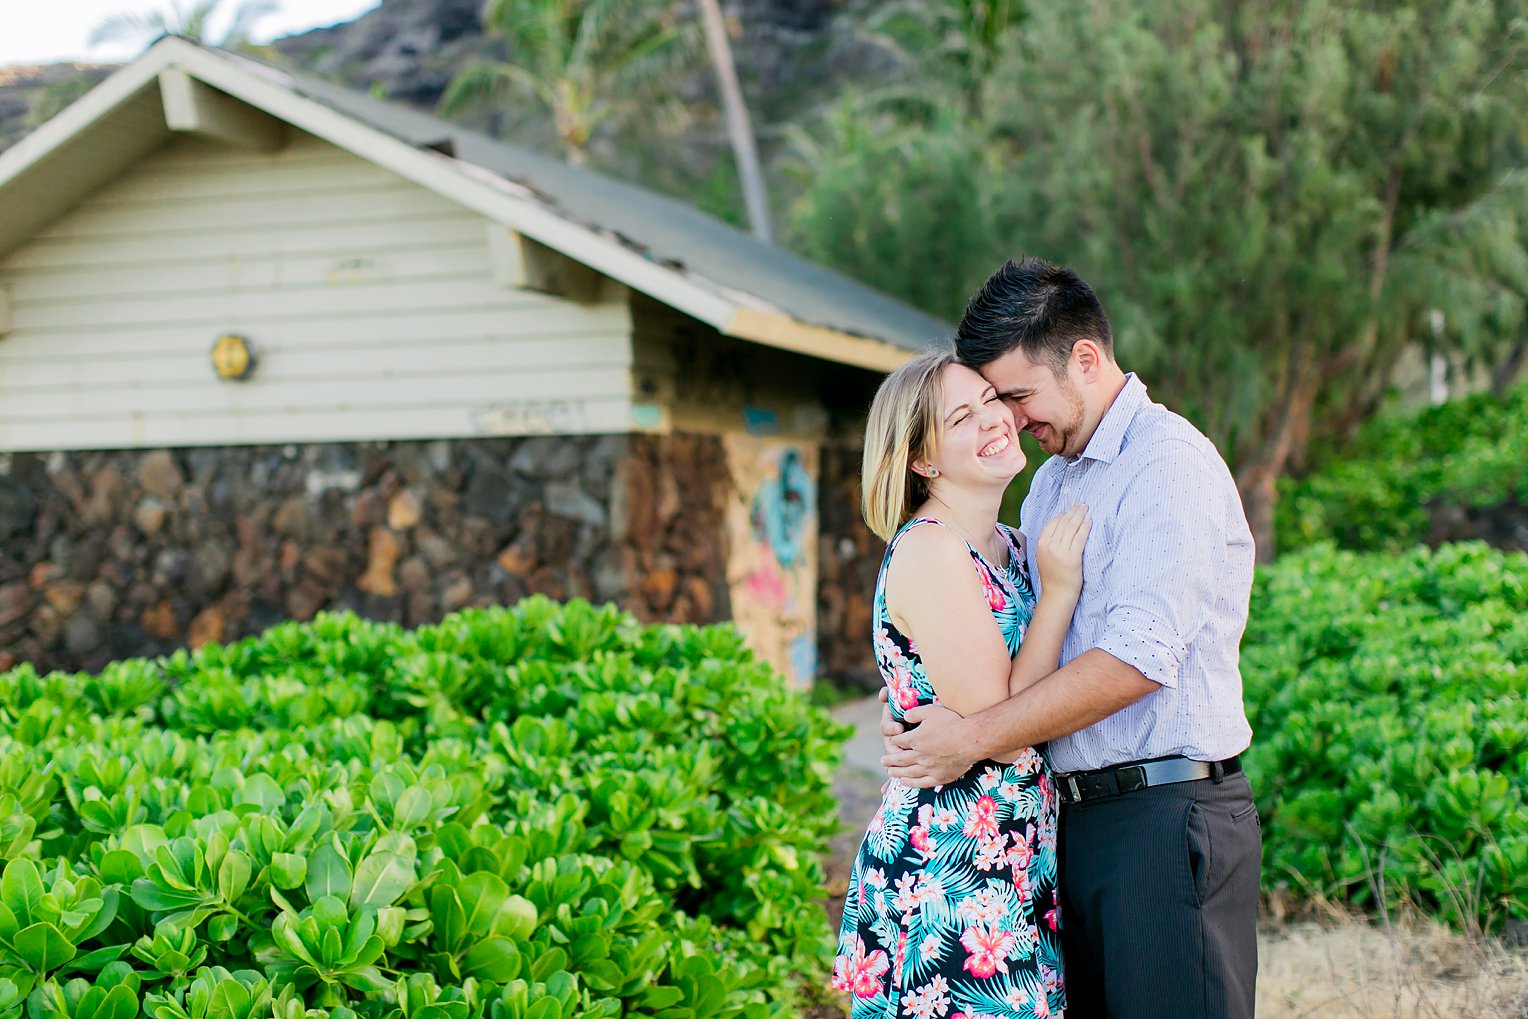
x: 1109, y: 436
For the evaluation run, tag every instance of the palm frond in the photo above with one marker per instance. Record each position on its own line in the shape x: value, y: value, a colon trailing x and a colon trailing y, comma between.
x: 127, y: 27
x: 192, y: 21
x: 485, y: 82
x: 245, y: 18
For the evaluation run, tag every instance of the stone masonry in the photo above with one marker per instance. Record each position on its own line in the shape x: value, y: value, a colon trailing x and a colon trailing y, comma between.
x: 113, y: 554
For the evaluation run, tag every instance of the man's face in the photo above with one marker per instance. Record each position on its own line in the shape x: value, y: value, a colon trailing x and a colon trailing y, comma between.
x: 1045, y: 405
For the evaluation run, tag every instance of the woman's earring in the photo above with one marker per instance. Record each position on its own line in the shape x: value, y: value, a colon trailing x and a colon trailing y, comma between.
x: 933, y: 472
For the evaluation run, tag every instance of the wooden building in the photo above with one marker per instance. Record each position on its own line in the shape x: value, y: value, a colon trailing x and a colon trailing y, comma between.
x: 270, y: 346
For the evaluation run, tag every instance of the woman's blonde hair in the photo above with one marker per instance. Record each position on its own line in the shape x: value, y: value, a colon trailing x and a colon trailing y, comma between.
x: 903, y: 426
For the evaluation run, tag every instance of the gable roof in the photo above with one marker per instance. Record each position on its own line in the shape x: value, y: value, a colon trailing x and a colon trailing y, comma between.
x: 653, y: 244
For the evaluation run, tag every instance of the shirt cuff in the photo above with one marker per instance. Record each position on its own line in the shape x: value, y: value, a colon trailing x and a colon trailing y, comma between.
x: 1146, y: 642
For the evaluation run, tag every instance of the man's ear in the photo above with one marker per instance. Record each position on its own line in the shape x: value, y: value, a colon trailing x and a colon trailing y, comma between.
x: 1088, y: 358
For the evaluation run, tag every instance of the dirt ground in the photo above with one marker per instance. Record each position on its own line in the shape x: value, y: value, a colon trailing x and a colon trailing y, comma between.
x: 1337, y: 967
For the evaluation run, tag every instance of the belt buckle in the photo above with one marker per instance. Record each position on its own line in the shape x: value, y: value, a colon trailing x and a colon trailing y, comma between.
x: 1072, y: 787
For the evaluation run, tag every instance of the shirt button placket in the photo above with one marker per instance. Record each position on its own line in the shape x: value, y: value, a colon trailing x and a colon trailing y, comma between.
x: 1068, y: 485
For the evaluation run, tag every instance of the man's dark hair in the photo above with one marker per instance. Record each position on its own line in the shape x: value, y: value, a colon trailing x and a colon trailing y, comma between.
x: 1042, y: 309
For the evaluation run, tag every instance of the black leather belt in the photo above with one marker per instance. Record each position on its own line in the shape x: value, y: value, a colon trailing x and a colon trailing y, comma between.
x: 1077, y: 786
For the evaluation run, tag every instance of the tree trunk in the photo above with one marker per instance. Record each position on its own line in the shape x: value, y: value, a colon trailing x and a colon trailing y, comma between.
x: 1510, y: 369
x: 1258, y: 480
x: 1258, y: 485
x: 739, y: 127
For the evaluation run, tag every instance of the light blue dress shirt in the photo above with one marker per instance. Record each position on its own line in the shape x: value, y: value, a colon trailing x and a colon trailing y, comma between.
x: 1167, y: 574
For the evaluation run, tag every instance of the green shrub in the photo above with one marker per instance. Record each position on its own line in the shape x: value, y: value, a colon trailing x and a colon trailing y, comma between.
x: 534, y: 812
x: 1467, y: 453
x: 1389, y: 699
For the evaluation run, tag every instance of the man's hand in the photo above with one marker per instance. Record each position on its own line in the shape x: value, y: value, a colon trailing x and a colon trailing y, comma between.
x: 933, y: 753
x: 890, y: 727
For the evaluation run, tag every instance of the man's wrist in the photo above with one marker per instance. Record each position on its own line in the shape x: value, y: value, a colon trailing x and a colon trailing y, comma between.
x: 968, y: 736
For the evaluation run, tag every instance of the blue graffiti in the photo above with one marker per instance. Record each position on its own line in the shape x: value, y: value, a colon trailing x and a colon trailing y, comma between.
x: 782, y: 507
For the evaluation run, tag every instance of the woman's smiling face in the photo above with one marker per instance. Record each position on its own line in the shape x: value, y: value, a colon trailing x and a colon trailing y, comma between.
x: 977, y: 438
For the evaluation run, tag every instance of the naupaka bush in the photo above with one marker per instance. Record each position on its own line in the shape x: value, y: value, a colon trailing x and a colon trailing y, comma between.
x: 1389, y: 699
x: 546, y: 811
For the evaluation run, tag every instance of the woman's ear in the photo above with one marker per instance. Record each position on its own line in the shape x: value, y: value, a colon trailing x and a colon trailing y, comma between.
x: 924, y: 468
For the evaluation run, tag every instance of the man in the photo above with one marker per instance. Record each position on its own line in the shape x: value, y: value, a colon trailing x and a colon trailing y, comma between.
x: 1160, y: 841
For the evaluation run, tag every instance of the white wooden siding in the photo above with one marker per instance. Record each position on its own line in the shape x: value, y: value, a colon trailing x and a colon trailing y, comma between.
x: 367, y: 299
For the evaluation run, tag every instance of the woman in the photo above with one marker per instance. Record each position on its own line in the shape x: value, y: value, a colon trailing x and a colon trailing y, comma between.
x: 951, y: 910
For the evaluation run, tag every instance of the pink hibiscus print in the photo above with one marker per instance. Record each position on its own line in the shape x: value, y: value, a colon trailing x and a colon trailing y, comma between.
x: 860, y: 974
x: 988, y: 951
x: 982, y: 820
x: 996, y: 600
x: 918, y: 836
x: 900, y: 683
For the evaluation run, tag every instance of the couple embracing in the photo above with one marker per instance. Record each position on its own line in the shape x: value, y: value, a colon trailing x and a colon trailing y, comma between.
x: 1077, y: 837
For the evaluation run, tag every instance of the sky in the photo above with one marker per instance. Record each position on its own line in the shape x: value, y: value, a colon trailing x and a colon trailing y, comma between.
x: 46, y: 32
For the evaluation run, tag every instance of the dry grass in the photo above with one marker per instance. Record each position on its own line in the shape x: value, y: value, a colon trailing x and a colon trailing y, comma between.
x: 1347, y: 968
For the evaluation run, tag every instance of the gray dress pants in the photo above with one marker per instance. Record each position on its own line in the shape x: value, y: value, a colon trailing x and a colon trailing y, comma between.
x: 1159, y: 893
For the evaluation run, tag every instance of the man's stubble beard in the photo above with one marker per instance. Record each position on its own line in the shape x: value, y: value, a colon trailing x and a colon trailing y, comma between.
x: 1069, y: 435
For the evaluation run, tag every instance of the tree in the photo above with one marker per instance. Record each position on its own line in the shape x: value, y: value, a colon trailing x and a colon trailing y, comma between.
x: 584, y: 61
x: 739, y: 126
x: 898, y: 193
x: 190, y: 21
x: 1259, y: 189
x: 1274, y: 199
x: 954, y: 43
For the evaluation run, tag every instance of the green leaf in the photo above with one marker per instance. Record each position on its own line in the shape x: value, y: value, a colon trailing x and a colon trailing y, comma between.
x: 330, y: 913
x: 121, y: 1003
x: 111, y: 901
x: 482, y: 895
x: 98, y: 958
x: 229, y: 1000
x: 516, y: 918
x: 550, y: 961
x: 450, y: 920
x: 412, y: 808
x: 380, y: 879
x: 43, y: 947
x: 233, y: 876
x: 390, y: 921
x: 288, y: 870
x: 21, y: 889
x: 262, y: 791
x: 152, y: 896
x: 328, y: 874
x: 495, y: 959
x: 654, y: 998
x: 121, y: 867
x: 222, y: 926
x: 367, y: 979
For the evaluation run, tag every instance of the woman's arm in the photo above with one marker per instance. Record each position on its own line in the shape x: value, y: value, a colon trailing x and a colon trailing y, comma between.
x: 935, y: 597
x: 1058, y: 553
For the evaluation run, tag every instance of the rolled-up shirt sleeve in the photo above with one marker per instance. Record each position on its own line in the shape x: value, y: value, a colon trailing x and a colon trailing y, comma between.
x: 1168, y: 552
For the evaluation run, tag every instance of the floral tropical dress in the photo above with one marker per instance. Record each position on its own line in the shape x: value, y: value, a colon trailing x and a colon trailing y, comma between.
x: 952, y: 904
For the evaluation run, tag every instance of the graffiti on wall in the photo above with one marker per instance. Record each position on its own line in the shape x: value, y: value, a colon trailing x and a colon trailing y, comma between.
x: 772, y: 562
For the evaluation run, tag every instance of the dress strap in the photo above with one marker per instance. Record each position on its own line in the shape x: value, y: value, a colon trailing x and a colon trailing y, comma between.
x: 891, y: 546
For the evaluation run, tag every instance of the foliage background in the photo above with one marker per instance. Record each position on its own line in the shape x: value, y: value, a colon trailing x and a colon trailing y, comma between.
x: 513, y: 806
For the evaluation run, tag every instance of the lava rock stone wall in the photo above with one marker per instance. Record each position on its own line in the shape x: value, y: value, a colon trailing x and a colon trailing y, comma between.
x: 848, y: 561
x: 113, y: 554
